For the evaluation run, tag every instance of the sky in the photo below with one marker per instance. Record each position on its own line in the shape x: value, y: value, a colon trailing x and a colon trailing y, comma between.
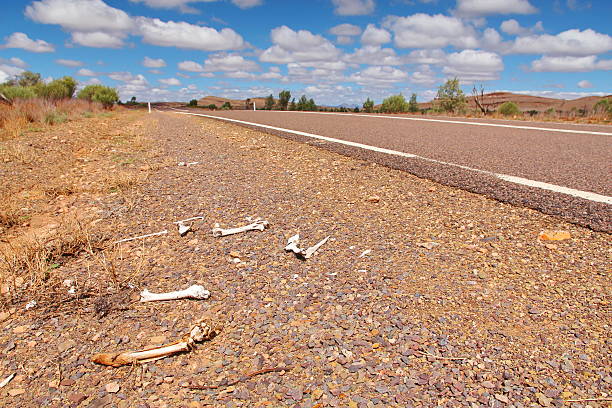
x: 334, y: 51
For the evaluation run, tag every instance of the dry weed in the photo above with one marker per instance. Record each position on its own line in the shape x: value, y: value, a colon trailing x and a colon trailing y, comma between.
x: 121, y: 181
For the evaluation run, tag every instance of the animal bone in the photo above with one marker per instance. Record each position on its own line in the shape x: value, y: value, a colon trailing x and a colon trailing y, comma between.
x: 199, y: 333
x: 183, y: 229
x: 187, y: 164
x: 189, y: 219
x: 292, y: 245
x: 7, y: 380
x: 192, y: 292
x: 142, y: 236
x: 259, y: 225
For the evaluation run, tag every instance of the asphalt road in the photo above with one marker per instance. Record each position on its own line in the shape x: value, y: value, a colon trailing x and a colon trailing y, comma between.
x: 578, y: 157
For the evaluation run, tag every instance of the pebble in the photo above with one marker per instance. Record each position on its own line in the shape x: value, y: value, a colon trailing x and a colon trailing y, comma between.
x: 112, y: 388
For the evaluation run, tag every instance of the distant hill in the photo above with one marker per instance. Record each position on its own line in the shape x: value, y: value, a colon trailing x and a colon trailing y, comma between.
x: 236, y: 103
x: 529, y: 102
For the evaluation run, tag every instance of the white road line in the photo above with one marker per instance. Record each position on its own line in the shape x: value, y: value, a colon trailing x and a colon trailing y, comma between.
x: 588, y: 132
x: 511, y: 179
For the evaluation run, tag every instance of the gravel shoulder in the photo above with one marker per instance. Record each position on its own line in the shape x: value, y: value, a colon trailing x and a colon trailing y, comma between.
x: 490, y: 316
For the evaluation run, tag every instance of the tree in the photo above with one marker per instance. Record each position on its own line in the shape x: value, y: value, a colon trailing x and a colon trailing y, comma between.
x: 26, y: 78
x: 212, y: 106
x: 450, y: 96
x: 193, y: 102
x: 311, y: 105
x: 133, y: 100
x: 292, y: 105
x: 283, y: 99
x: 99, y: 93
x: 603, y: 106
x: 413, y: 106
x: 368, y: 105
x: 394, y: 104
x: 70, y: 83
x: 226, y: 105
x: 356, y: 110
x: 269, y: 105
x: 302, y: 103
x: 509, y: 109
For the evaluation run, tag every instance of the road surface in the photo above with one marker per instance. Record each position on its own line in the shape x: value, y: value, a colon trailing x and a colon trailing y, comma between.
x: 560, y: 169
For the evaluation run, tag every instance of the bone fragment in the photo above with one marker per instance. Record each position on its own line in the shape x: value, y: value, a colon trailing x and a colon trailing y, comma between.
x: 200, y: 332
x: 142, y: 236
x: 7, y: 380
x: 192, y: 292
x: 259, y: 225
x: 30, y: 305
x: 292, y: 245
x: 187, y: 164
x: 428, y: 245
x: 183, y: 229
x: 189, y: 219
x: 364, y: 253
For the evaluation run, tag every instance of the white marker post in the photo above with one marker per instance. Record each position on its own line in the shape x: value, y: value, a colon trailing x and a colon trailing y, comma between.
x: 254, y: 108
x: 149, y: 103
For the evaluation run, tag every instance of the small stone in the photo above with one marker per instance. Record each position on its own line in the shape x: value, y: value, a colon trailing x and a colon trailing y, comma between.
x: 21, y: 329
x: 373, y: 199
x: 16, y: 391
x: 235, y: 254
x: 316, y: 394
x: 428, y: 245
x: 487, y: 384
x: 543, y: 400
x: 66, y: 345
x: 77, y: 397
x: 112, y: 388
x: 502, y: 398
x: 482, y: 275
x: 554, y: 235
x: 157, y: 339
x: 67, y: 382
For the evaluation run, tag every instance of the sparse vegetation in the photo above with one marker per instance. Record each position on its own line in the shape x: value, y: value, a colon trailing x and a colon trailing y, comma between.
x: 509, y: 109
x: 450, y: 97
x: 413, y: 105
x: 368, y: 106
x: 604, y: 107
x: 305, y: 104
x: 226, y: 106
x: 193, y: 102
x: 269, y: 105
x: 283, y: 99
x: 212, y: 106
x: 394, y: 104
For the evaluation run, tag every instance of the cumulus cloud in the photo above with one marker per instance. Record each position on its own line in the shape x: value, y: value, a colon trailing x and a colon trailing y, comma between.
x: 86, y: 72
x: 435, y: 56
x: 182, y: 5
x: 153, y: 63
x: 431, y: 31
x: 21, y: 40
x: 170, y: 81
x: 185, y: 35
x: 513, y: 27
x: 373, y: 53
x: 375, y: 36
x: 345, y: 29
x: 80, y: 15
x: 10, y: 67
x: 570, y: 64
x: 244, y: 4
x: 585, y: 84
x: 17, y: 62
x: 325, y: 72
x: 98, y: 39
x: 569, y: 43
x: 424, y: 76
x: 190, y: 66
x: 378, y: 76
x: 353, y: 7
x: 69, y: 62
x: 474, y: 65
x: 298, y: 46
x: 228, y: 63
x: 476, y: 8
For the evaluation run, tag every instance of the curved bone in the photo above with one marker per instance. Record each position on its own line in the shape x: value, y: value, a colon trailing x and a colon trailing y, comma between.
x: 292, y: 245
x: 192, y: 292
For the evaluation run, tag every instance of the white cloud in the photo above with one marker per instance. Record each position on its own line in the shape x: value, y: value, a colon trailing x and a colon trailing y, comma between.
x: 345, y: 29
x: 435, y: 56
x: 431, y: 31
x: 353, y: 7
x: 69, y: 62
x: 17, y: 62
x: 98, y: 39
x: 86, y: 72
x: 8, y: 71
x: 298, y: 46
x: 375, y: 36
x: 585, y: 84
x: 80, y: 15
x: 182, y: 5
x: 21, y: 40
x: 569, y: 43
x: 170, y: 81
x: 243, y: 4
x: 344, y: 39
x: 474, y: 65
x: 379, y: 76
x: 92, y: 81
x: 555, y: 94
x: 190, y: 66
x: 323, y: 72
x: 424, y: 76
x: 513, y: 27
x: 373, y: 54
x: 228, y: 63
x: 474, y: 8
x: 153, y: 63
x: 189, y: 36
x: 570, y: 64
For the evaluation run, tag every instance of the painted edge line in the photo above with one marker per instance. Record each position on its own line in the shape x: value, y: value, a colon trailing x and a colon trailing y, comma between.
x: 587, y: 132
x: 511, y: 179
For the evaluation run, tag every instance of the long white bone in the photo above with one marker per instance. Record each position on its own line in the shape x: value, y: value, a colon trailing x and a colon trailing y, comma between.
x: 292, y: 245
x: 142, y: 236
x: 259, y: 225
x: 200, y: 332
x: 192, y: 292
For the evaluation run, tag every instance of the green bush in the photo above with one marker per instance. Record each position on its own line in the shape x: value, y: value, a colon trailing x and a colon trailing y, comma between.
x: 193, y: 102
x: 450, y: 97
x: 226, y: 105
x: 17, y: 92
x: 394, y: 104
x: 368, y: 106
x: 212, y: 106
x: 603, y: 106
x: 99, y: 93
x: 413, y: 105
x: 509, y: 109
x: 55, y: 117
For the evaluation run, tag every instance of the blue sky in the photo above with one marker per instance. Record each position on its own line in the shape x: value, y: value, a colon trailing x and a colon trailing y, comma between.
x: 335, y: 51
